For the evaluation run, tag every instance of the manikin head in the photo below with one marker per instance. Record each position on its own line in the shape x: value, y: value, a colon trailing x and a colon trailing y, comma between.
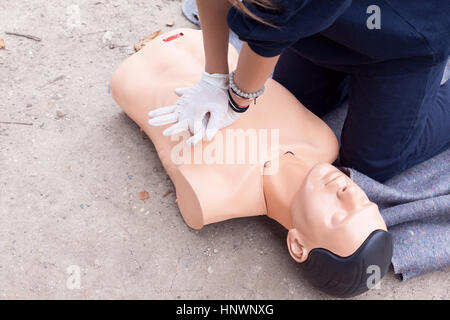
x: 338, y: 234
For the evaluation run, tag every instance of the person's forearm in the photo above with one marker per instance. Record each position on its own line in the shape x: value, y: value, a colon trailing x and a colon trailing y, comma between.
x: 213, y: 19
x: 252, y: 71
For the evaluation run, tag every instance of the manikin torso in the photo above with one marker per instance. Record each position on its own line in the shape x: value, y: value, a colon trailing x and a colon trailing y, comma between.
x: 223, y: 188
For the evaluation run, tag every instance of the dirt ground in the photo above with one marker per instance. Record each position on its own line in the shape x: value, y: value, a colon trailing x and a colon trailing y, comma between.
x: 72, y: 165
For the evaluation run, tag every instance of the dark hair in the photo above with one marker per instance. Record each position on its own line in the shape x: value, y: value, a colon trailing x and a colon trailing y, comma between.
x: 261, y: 4
x: 348, y: 277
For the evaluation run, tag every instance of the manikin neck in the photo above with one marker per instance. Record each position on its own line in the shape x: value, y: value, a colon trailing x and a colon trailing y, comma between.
x: 281, y: 187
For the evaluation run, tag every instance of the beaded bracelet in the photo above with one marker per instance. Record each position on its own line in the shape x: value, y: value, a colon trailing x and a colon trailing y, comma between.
x: 242, y: 94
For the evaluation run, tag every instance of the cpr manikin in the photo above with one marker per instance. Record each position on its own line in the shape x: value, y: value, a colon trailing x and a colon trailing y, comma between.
x: 335, y: 232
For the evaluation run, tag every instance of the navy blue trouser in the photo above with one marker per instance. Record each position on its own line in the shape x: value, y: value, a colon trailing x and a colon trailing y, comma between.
x: 393, y: 122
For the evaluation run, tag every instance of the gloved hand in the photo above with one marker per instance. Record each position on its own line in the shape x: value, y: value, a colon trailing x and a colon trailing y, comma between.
x: 203, y: 109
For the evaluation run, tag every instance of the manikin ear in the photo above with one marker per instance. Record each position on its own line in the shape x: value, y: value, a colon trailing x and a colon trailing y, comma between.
x: 296, y: 249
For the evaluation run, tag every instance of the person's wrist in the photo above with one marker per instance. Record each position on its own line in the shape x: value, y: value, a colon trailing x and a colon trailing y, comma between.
x: 218, y: 80
x: 240, y: 92
x: 240, y: 101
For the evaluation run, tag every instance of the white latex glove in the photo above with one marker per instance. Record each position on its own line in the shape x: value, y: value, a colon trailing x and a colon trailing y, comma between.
x: 203, y: 109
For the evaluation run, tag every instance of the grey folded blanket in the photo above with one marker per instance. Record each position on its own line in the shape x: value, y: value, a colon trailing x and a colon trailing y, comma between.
x: 414, y: 204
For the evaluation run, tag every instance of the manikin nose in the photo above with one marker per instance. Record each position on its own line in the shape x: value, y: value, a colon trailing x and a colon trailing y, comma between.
x: 347, y: 193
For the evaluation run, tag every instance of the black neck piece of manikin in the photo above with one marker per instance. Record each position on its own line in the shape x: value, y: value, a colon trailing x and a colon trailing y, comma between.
x: 352, y: 275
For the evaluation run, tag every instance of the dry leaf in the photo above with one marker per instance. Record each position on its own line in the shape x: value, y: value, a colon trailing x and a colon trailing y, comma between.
x: 143, y: 195
x: 2, y: 43
x: 167, y: 193
x: 154, y: 34
x: 140, y: 44
x: 170, y: 24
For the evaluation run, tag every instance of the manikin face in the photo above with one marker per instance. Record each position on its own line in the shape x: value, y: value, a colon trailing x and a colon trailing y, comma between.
x: 331, y: 212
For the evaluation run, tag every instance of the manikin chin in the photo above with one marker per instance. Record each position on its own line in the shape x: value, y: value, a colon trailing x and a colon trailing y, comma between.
x: 334, y: 231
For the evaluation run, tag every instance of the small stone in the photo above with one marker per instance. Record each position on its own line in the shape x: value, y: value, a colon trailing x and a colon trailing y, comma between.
x: 60, y: 115
x: 210, y: 270
x: 170, y: 24
x: 107, y: 37
x: 215, y: 250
